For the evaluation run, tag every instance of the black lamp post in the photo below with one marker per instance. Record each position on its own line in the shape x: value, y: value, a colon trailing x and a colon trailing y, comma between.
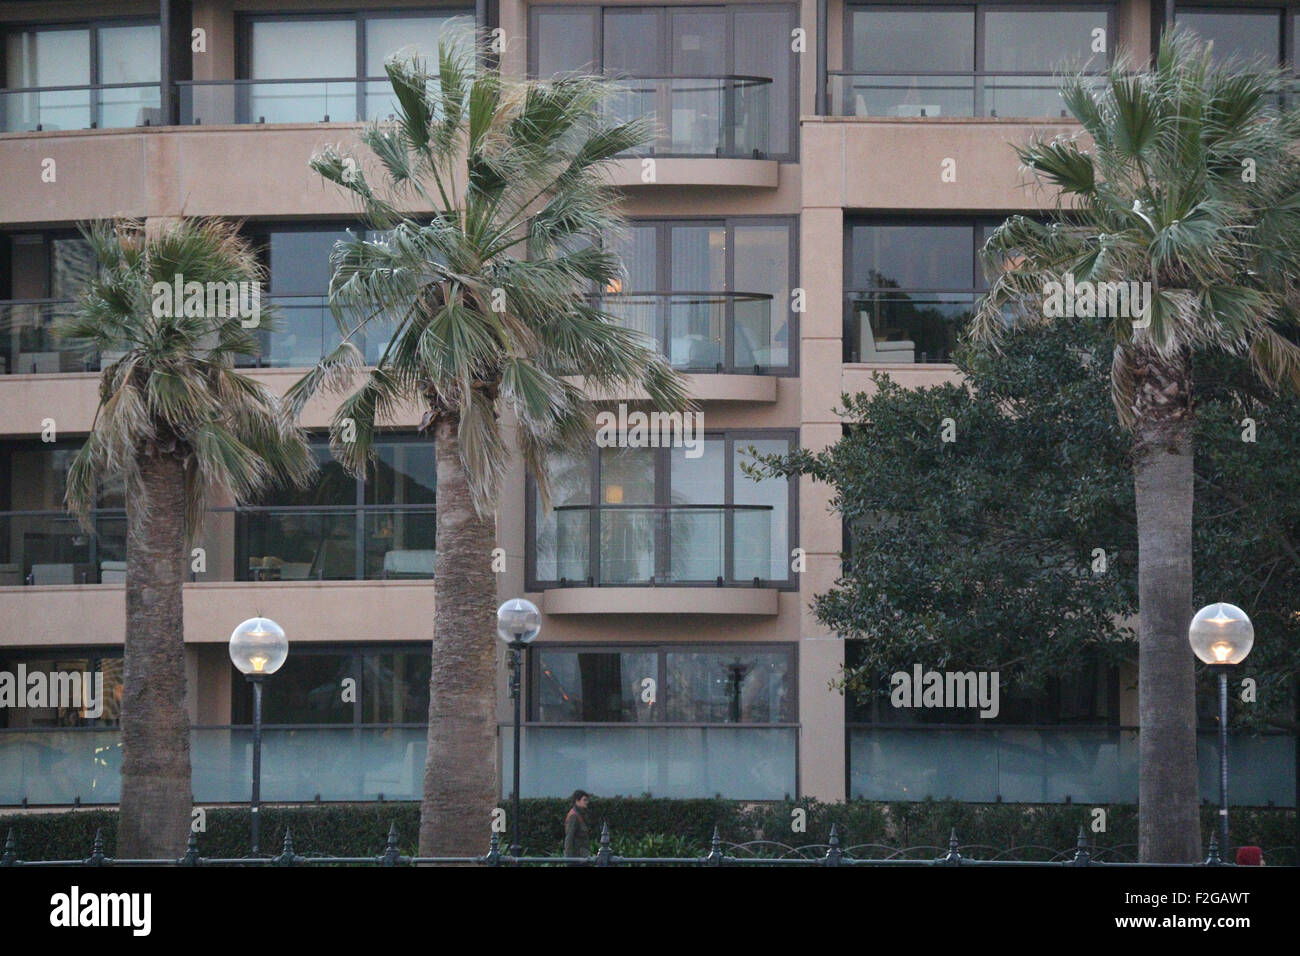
x: 518, y: 624
x: 1221, y: 635
x: 258, y: 648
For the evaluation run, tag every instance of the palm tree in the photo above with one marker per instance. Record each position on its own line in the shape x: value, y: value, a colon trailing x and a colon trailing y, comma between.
x: 182, y: 430
x: 1190, y: 183
x: 488, y: 308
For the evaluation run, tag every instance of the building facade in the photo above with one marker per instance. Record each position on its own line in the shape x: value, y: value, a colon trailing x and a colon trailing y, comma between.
x: 809, y: 212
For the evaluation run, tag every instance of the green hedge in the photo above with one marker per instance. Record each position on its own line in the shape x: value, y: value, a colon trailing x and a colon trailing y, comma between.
x: 653, y: 827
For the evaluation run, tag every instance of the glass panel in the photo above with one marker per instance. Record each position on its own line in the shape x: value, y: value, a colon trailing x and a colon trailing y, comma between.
x: 601, y: 686
x: 1243, y: 34
x: 395, y: 687
x: 332, y: 484
x: 903, y: 41
x: 912, y: 257
x: 298, y: 49
x: 299, y: 274
x: 308, y: 689
x: 66, y: 689
x: 1042, y: 40
x: 744, y: 686
x: 697, y: 323
x: 762, y: 40
x: 628, y: 539
x: 762, y: 264
x: 47, y: 58
x: 912, y: 95
x: 632, y: 43
x: 638, y: 250
x: 72, y: 266
x: 129, y: 55
x: 762, y: 532
x: 740, y: 763
x: 564, y: 41
x: 697, y: 536
x: 698, y: 109
x: 405, y: 473
x: 902, y: 329
x: 562, y: 536
x: 418, y: 35
x: 401, y: 543
x: 298, y: 545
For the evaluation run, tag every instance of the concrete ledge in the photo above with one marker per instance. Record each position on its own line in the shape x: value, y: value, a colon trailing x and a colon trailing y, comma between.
x: 653, y: 600
x: 707, y: 171
x: 711, y: 388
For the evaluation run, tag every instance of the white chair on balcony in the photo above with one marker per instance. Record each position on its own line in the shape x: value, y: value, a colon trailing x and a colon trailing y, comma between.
x: 901, y: 352
x: 48, y: 574
x: 295, y: 571
x: 112, y: 572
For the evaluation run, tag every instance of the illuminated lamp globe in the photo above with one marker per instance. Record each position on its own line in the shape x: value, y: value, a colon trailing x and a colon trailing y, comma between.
x: 1221, y: 634
x: 258, y: 647
x: 519, y: 621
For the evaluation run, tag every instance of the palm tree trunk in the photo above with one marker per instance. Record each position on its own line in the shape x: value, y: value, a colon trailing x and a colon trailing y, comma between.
x: 460, y: 774
x: 156, y: 793
x: 1168, y: 787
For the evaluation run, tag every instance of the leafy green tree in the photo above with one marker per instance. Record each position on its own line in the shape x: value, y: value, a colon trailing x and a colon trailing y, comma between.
x: 182, y: 430
x: 1184, y: 177
x: 489, y: 310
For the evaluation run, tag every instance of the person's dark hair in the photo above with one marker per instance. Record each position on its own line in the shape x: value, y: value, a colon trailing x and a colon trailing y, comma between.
x: 578, y: 795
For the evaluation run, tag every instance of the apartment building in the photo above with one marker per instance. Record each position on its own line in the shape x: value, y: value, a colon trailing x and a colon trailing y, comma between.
x: 809, y: 212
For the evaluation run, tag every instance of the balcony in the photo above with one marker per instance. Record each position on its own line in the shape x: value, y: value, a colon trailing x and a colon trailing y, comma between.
x: 895, y: 327
x: 720, y: 116
x: 341, y: 543
x: 312, y: 100
x: 28, y: 344
x: 617, y: 545
x: 1086, y: 765
x: 703, y: 331
x: 104, y: 106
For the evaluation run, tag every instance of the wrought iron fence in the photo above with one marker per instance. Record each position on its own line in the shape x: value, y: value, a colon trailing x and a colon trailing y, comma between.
x: 720, y: 853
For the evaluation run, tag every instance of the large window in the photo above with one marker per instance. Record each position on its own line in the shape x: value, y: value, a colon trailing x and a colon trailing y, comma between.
x: 666, y: 516
x: 333, y: 684
x: 973, y: 60
x: 1244, y: 34
x: 712, y: 295
x: 691, y: 684
x: 719, y: 80
x: 910, y: 287
x: 40, y: 274
x: 342, y: 528
x: 78, y: 687
x: 79, y: 76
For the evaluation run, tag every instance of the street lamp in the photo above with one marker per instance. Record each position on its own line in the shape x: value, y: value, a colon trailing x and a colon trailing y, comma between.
x: 1221, y: 635
x: 518, y: 624
x: 258, y: 647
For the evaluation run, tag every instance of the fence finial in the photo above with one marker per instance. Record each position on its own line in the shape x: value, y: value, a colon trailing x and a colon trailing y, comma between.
x: 953, y: 856
x: 833, y: 854
x: 11, y: 850
x: 1081, y: 855
x: 287, y: 856
x: 1214, y: 859
x: 191, y: 857
x: 97, y: 850
x: 605, y: 855
x: 391, y: 853
x: 715, y: 848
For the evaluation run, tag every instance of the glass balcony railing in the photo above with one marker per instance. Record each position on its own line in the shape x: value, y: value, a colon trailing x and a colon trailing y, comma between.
x: 302, y: 331
x: 309, y: 100
x: 621, y: 545
x: 905, y: 328
x: 341, y: 543
x: 1085, y: 765
x: 702, y: 331
x: 348, y: 762
x: 106, y: 106
x: 929, y: 95
x: 727, y: 116
x: 739, y: 762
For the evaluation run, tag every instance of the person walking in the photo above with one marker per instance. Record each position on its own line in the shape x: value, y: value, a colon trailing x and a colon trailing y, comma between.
x: 577, y: 834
